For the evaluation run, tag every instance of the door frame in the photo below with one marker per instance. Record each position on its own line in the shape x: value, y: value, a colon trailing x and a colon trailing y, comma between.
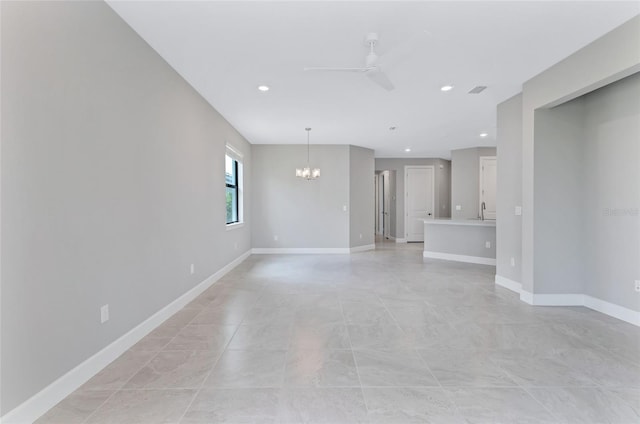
x: 385, y: 200
x: 480, y: 181
x: 406, y: 193
x: 377, y: 227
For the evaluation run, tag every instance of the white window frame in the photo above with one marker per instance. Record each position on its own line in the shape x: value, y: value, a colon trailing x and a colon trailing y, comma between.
x: 236, y: 155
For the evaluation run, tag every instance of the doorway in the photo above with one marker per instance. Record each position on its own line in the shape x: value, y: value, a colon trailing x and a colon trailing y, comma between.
x: 487, y: 195
x: 419, y: 200
x: 385, y: 203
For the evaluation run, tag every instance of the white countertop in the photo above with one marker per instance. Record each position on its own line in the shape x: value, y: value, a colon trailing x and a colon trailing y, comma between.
x: 470, y: 222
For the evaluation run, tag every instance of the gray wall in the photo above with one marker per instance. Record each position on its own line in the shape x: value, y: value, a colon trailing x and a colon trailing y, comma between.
x: 612, y: 192
x: 587, y: 195
x: 301, y: 213
x: 608, y: 59
x: 467, y: 240
x: 361, y: 197
x: 509, y: 189
x: 465, y: 180
x: 112, y: 185
x: 559, y: 202
x: 442, y: 185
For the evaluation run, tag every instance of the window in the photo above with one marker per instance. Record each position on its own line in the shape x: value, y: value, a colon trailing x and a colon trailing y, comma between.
x: 233, y: 187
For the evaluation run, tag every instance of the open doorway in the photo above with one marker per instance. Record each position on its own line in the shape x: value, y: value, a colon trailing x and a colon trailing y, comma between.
x: 383, y: 204
x: 487, y: 195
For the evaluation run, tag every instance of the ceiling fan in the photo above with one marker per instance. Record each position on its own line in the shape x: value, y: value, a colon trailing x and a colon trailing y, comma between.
x: 371, y: 68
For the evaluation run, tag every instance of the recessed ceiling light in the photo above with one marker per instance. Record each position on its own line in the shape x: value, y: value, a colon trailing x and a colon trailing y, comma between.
x: 446, y: 88
x: 483, y: 135
x: 407, y: 149
x: 263, y: 87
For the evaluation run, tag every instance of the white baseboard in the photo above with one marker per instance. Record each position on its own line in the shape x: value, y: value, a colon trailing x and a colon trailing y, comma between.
x: 310, y: 250
x: 508, y: 284
x: 557, y: 299
x: 299, y: 250
x: 362, y: 248
x: 34, y: 407
x: 611, y: 309
x: 459, y: 258
x: 526, y: 297
x: 571, y: 299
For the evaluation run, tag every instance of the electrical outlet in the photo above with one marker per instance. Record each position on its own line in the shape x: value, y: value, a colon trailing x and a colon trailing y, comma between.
x: 235, y: 245
x: 458, y: 207
x: 518, y: 210
x: 513, y: 261
x: 487, y: 244
x: 275, y: 238
x: 638, y: 285
x: 344, y: 208
x: 104, y: 313
x: 192, y: 269
x: 360, y: 235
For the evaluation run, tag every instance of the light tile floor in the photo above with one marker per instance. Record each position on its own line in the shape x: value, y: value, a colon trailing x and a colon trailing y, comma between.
x: 381, y: 337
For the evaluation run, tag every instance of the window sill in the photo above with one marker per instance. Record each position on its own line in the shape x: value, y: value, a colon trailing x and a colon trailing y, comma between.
x: 235, y: 226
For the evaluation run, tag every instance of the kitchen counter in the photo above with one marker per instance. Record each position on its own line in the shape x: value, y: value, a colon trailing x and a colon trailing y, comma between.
x: 449, y: 221
x: 462, y: 240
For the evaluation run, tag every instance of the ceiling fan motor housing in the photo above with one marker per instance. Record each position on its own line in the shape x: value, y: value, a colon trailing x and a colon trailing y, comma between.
x: 371, y: 38
x: 370, y: 41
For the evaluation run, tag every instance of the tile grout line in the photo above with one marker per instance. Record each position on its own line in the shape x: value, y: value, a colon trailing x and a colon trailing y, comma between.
x: 199, y: 389
x: 139, y: 369
x: 148, y: 362
x: 353, y: 356
x: 281, y: 394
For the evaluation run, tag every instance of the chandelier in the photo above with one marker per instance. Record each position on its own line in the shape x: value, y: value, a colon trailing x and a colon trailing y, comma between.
x: 306, y: 172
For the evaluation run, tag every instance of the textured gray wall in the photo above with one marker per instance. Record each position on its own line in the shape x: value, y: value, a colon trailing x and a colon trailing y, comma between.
x: 509, y: 189
x: 361, y: 197
x: 465, y: 180
x: 112, y: 185
x: 301, y: 213
x: 442, y: 184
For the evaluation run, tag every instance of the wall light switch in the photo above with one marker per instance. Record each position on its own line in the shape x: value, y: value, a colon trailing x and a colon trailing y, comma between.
x: 518, y: 210
x: 275, y: 238
x: 458, y: 207
x: 104, y: 313
x: 192, y: 269
x: 638, y: 285
x: 513, y: 261
x: 344, y: 208
x: 487, y: 244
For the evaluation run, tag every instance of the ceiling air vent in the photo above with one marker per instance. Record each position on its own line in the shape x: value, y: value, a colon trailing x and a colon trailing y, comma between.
x: 477, y: 89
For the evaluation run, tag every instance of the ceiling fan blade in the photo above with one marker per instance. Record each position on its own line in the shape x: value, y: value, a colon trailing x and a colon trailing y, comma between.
x: 376, y: 75
x: 339, y: 69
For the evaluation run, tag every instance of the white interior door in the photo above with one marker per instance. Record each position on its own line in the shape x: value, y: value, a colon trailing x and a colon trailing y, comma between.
x: 488, y: 168
x: 386, y: 205
x: 419, y: 189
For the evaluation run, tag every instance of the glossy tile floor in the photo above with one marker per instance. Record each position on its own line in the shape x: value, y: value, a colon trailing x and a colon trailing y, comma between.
x: 381, y: 337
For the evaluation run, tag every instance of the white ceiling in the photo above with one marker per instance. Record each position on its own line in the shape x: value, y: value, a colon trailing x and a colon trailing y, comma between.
x: 226, y: 49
